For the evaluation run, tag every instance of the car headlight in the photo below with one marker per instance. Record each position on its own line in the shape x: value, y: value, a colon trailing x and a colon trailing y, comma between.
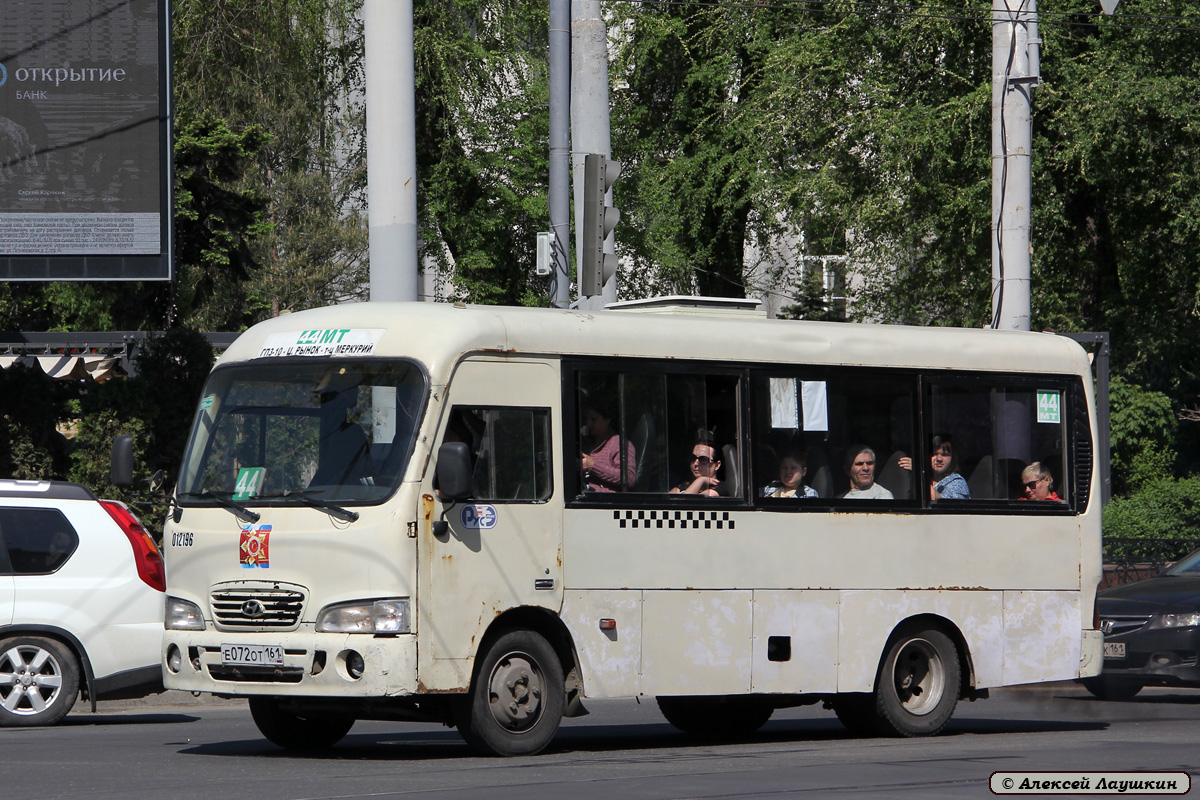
x: 183, y: 616
x: 367, y: 616
x: 1189, y: 620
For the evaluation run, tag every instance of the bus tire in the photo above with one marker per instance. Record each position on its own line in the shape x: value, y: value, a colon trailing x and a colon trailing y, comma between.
x: 39, y: 681
x: 918, y: 683
x: 715, y: 717
x: 302, y: 732
x: 517, y: 697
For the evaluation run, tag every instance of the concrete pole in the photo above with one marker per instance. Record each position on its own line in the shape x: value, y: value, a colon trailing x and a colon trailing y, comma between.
x: 590, y: 131
x: 391, y: 149
x: 560, y: 153
x: 1012, y: 140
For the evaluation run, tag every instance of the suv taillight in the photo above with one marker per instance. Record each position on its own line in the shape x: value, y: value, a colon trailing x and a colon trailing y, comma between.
x: 145, y: 553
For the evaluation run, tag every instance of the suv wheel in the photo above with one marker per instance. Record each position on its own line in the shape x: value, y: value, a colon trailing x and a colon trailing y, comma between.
x: 39, y: 681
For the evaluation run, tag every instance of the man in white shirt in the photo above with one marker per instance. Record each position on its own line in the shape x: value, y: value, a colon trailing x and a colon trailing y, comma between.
x: 861, y: 467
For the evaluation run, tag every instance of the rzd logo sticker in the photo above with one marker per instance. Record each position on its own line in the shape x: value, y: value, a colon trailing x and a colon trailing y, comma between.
x: 254, y: 549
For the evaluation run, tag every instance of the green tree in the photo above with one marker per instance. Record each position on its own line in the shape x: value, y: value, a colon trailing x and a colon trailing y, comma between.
x: 31, y: 406
x: 217, y: 220
x: 287, y: 74
x: 813, y: 301
x: 155, y: 406
x: 482, y: 144
x: 1142, y: 433
x: 1166, y: 508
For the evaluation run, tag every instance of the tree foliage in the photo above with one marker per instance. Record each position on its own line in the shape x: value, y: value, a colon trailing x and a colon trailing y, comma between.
x: 1166, y: 508
x: 482, y: 144
x: 1142, y: 436
x: 155, y: 406
x: 31, y: 406
x: 282, y: 79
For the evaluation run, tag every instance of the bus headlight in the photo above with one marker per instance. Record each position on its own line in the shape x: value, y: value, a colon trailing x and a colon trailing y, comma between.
x: 368, y: 616
x: 182, y: 616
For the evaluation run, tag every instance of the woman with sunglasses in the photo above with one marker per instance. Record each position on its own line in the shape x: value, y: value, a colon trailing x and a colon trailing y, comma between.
x: 1038, y: 483
x: 704, y: 466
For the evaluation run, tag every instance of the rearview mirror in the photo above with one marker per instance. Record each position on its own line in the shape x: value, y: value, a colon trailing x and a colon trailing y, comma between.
x: 120, y: 463
x: 454, y: 471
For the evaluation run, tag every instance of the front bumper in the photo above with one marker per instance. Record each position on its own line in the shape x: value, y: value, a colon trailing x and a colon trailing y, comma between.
x: 1162, y: 657
x: 315, y: 664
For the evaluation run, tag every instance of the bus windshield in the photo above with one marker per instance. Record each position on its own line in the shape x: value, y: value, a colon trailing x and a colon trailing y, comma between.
x: 292, y: 433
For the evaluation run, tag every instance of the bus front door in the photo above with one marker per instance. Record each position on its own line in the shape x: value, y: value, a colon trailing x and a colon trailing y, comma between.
x: 502, y: 548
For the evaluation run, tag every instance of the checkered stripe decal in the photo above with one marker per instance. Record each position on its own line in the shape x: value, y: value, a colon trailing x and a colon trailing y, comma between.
x: 709, y: 520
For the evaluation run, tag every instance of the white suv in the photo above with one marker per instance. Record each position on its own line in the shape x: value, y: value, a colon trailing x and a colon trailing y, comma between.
x: 81, y: 602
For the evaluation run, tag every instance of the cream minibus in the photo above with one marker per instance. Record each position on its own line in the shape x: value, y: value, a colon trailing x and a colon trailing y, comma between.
x: 487, y: 516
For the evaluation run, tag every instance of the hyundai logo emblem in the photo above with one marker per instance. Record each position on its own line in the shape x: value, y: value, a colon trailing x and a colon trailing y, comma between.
x: 1106, y: 626
x: 252, y: 609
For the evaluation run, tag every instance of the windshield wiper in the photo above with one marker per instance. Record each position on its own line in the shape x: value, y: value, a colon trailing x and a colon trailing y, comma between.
x: 239, y: 510
x: 303, y: 496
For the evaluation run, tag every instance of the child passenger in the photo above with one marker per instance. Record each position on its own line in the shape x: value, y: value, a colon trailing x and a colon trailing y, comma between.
x: 791, y: 476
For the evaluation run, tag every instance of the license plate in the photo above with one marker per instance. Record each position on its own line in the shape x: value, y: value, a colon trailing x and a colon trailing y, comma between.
x: 1114, y: 649
x: 252, y: 655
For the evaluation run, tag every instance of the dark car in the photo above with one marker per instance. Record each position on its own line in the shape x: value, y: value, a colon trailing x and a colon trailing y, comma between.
x: 1151, y: 632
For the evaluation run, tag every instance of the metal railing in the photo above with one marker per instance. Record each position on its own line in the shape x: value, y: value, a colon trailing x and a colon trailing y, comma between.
x: 1129, y: 560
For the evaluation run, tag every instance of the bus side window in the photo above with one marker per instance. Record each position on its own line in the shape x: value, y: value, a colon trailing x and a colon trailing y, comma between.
x: 637, y: 428
x: 1000, y: 426
x: 510, y: 450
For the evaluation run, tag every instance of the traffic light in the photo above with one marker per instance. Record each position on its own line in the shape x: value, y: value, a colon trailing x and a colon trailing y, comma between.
x: 596, y: 266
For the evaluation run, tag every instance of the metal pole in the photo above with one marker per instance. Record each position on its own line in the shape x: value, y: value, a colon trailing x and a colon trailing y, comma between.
x: 590, y: 131
x: 391, y: 148
x: 560, y: 153
x: 1012, y: 139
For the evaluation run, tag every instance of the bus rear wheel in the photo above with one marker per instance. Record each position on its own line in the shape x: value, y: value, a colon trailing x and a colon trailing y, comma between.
x: 293, y: 731
x: 714, y: 717
x: 918, y: 684
x: 517, y: 697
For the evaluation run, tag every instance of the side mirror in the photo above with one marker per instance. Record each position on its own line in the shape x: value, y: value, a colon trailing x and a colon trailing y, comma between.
x: 156, y: 481
x: 454, y: 471
x: 120, y: 465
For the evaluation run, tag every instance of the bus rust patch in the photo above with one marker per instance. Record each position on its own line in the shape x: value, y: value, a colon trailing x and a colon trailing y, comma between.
x: 423, y: 689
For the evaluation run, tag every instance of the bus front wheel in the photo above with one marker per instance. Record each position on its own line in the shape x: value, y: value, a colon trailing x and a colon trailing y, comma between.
x: 918, y: 683
x: 517, y: 697
x: 303, y: 732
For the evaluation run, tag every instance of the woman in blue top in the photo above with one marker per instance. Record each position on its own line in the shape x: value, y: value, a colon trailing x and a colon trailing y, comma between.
x: 944, y: 481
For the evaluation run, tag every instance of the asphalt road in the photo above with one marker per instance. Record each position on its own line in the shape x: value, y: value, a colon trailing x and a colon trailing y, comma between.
x: 176, y: 746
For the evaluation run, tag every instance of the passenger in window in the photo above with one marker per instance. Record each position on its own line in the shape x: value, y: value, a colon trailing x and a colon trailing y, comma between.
x: 860, y: 466
x: 1039, y: 483
x: 792, y: 469
x: 944, y: 481
x: 601, y: 461
x: 704, y: 466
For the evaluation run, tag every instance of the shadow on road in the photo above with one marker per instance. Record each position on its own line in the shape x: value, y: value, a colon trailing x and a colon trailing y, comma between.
x: 650, y: 739
x: 85, y: 719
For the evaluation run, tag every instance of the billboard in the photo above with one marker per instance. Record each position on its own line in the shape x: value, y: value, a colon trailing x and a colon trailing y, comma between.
x: 85, y: 178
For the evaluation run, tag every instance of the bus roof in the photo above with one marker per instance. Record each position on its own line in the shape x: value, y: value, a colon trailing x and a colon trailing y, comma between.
x: 438, y: 334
